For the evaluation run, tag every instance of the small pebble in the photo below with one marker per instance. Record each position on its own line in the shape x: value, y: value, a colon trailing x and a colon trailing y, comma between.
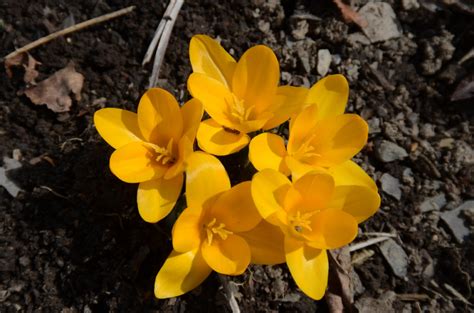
x: 395, y: 256
x: 324, y: 61
x: 391, y: 186
x: 387, y: 151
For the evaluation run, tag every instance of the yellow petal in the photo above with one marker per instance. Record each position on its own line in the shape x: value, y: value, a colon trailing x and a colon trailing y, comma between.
x: 156, y: 198
x: 329, y: 95
x: 331, y: 229
x: 268, y: 151
x: 159, y: 117
x: 236, y: 209
x: 181, y: 272
x: 185, y: 149
x: 214, y: 97
x: 302, y: 126
x: 208, y: 57
x: 134, y: 163
x: 266, y: 244
x: 205, y: 178
x: 187, y: 230
x: 359, y: 201
x: 256, y: 78
x: 192, y: 113
x: 214, y: 139
x: 316, y: 189
x: 349, y: 173
x: 229, y: 256
x: 338, y: 139
x: 308, y: 266
x: 289, y: 101
x: 298, y: 168
x: 116, y: 126
x: 269, y: 189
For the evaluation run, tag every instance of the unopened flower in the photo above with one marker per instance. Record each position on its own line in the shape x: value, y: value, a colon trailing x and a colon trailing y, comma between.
x: 151, y: 147
x: 321, y: 136
x: 240, y: 97
x: 315, y: 214
x: 210, y: 233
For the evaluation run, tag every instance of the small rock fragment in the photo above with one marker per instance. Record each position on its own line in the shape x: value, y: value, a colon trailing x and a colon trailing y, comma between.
x: 387, y: 151
x: 433, y: 204
x: 395, y: 256
x: 410, y: 4
x: 382, y: 21
x: 324, y: 61
x: 383, y: 304
x: 455, y: 221
x: 5, y: 182
x: 391, y: 186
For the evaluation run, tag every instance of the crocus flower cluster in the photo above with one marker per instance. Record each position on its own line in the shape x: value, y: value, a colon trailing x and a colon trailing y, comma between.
x: 307, y: 196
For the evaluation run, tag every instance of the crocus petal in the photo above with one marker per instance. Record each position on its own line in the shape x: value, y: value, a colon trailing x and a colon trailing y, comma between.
x: 308, y: 266
x: 229, y: 256
x: 301, y: 126
x: 269, y: 188
x: 359, y: 201
x: 329, y: 96
x: 192, y: 114
x: 268, y: 151
x: 134, y: 163
x: 159, y: 117
x: 215, y: 139
x: 236, y: 209
x: 256, y: 77
x: 266, y: 244
x: 297, y: 168
x: 316, y: 189
x: 349, y: 173
x: 331, y: 229
x: 187, y: 230
x: 289, y: 101
x: 181, y: 272
x: 118, y: 127
x: 208, y: 57
x: 156, y: 198
x: 206, y: 177
x: 214, y: 97
x: 185, y: 149
x: 338, y: 139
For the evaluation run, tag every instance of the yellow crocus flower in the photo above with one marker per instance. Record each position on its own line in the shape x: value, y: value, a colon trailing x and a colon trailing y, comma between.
x: 240, y: 97
x: 314, y: 214
x: 210, y: 233
x: 321, y: 136
x: 151, y: 147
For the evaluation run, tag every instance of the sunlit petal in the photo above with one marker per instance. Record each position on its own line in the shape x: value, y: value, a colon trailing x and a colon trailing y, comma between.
x: 118, y: 127
x: 359, y: 201
x: 134, y: 163
x: 187, y: 230
x: 329, y: 96
x: 156, y: 198
x: 192, y: 113
x: 230, y: 256
x: 289, y: 101
x: 181, y: 272
x: 266, y: 244
x: 215, y: 139
x: 349, y: 173
x: 297, y: 168
x: 301, y: 127
x: 208, y: 57
x: 268, y: 151
x: 316, y: 189
x: 308, y: 266
x: 205, y: 178
x: 159, y: 117
x: 185, y: 149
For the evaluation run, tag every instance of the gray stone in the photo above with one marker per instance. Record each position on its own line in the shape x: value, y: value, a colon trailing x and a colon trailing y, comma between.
x: 391, y: 186
x: 387, y: 151
x: 395, y: 256
x: 383, y: 304
x: 433, y: 204
x: 410, y: 4
x: 382, y: 21
x: 324, y: 61
x: 455, y: 222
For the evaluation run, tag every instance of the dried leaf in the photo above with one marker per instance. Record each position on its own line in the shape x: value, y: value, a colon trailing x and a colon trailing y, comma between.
x: 349, y: 14
x: 54, y: 91
x: 340, y: 295
x: 465, y: 89
x: 29, y: 64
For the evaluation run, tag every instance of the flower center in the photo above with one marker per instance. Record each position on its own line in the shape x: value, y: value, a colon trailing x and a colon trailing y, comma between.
x: 213, y: 229
x: 306, y: 150
x: 164, y: 155
x: 299, y: 222
x: 238, y: 110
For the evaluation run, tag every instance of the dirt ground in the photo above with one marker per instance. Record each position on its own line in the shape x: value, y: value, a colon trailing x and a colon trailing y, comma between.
x: 72, y: 240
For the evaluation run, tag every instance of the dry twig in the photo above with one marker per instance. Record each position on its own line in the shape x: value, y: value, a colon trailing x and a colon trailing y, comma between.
x: 367, y: 243
x: 69, y: 30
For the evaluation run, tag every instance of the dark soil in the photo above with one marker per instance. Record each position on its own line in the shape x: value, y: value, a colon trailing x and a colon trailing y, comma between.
x: 72, y: 240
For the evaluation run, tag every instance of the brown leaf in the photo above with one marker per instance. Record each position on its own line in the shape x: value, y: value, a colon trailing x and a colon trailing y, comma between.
x: 54, y: 91
x: 349, y: 14
x: 29, y: 64
x: 340, y: 295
